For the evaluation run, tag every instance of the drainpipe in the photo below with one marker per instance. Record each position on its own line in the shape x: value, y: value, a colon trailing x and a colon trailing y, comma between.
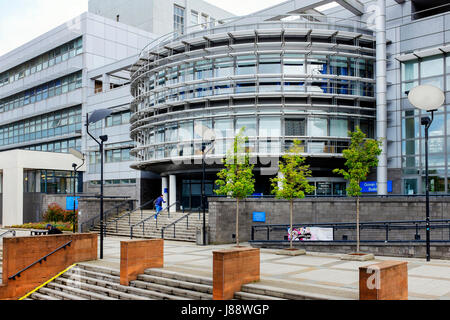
x: 381, y: 88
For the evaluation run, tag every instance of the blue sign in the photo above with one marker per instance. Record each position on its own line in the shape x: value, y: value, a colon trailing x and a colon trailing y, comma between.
x: 259, y: 217
x: 166, y: 190
x: 372, y: 186
x: 69, y: 203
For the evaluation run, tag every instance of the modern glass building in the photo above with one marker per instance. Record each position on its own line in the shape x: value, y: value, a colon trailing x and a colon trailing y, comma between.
x: 288, y: 80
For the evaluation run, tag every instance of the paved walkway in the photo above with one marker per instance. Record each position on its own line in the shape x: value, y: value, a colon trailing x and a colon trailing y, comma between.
x: 318, y: 273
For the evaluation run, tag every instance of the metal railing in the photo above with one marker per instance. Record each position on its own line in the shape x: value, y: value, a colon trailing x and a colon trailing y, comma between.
x: 381, y: 235
x: 174, y: 224
x: 13, y: 232
x: 153, y: 216
x: 44, y: 258
x: 116, y: 209
x: 127, y: 214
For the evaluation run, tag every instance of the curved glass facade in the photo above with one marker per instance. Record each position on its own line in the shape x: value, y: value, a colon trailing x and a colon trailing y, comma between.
x: 280, y: 81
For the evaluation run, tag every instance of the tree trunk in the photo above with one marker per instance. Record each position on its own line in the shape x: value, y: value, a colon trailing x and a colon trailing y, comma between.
x: 357, y: 224
x: 291, y: 214
x: 237, y: 222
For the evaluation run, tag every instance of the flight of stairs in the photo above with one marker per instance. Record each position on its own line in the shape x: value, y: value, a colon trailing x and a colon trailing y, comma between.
x: 89, y: 282
x: 183, y: 231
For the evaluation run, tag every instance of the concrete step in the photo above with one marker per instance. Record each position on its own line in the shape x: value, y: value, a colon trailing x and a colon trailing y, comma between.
x: 169, y: 290
x: 77, y: 290
x: 55, y: 293
x: 176, y: 283
x: 251, y: 296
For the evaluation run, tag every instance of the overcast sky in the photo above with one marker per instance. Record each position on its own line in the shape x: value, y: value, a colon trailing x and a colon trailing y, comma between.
x: 24, y: 20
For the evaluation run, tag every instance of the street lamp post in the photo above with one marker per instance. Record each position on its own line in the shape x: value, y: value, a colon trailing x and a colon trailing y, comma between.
x: 427, y: 98
x: 75, y: 167
x: 96, y: 116
x: 204, y: 144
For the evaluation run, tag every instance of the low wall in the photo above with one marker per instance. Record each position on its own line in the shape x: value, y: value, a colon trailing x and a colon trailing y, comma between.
x: 323, y: 210
x: 138, y: 255
x: 20, y: 252
x: 89, y: 208
x: 233, y: 268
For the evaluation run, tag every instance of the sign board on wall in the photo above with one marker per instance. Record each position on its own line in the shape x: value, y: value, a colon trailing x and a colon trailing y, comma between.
x: 372, y: 186
x: 69, y: 203
x: 312, y: 234
x: 259, y: 217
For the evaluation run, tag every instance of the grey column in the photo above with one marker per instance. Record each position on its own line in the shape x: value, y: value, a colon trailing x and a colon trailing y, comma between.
x: 381, y: 95
x: 172, y: 192
x: 164, y: 190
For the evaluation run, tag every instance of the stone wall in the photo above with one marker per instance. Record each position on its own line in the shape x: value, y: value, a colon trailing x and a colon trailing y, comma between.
x: 90, y: 208
x: 323, y: 210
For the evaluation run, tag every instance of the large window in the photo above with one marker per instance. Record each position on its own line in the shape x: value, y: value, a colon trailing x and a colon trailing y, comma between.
x: 42, y: 92
x: 295, y: 127
x: 58, y: 123
x: 42, y: 62
x: 317, y: 127
x: 178, y: 19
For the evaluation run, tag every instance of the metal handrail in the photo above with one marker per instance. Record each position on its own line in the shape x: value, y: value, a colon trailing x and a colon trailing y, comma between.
x: 44, y: 258
x: 109, y: 211
x: 374, y: 225
x: 175, y: 222
x: 146, y: 219
x: 128, y: 214
x: 13, y: 232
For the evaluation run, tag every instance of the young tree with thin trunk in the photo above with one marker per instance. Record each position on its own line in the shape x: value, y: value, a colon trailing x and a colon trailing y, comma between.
x: 361, y: 156
x: 293, y: 182
x: 236, y: 180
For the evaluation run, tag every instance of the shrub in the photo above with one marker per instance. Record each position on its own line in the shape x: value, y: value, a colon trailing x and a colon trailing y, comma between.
x: 55, y: 213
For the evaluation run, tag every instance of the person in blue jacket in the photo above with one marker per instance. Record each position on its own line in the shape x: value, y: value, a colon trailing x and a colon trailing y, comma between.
x: 158, y: 205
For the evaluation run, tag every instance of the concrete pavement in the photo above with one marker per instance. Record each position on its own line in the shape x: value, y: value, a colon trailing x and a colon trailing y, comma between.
x: 315, y: 273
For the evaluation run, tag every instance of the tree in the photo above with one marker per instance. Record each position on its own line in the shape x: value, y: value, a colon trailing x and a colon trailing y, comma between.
x: 236, y: 180
x: 361, y: 156
x: 293, y: 182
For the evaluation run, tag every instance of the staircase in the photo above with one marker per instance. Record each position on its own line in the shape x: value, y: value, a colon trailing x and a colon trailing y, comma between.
x: 89, y: 282
x: 183, y: 231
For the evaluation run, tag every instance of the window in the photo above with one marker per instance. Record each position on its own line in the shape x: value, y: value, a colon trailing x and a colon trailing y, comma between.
x: 249, y: 124
x: 338, y: 128
x: 269, y: 127
x: 204, y: 21
x: 430, y: 67
x: 318, y: 127
x: 194, y: 18
x: 295, y: 127
x: 178, y: 20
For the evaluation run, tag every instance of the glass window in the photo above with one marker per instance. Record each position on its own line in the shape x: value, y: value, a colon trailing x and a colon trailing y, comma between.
x: 317, y: 65
x: 269, y: 64
x: 178, y: 20
x: 294, y: 64
x: 432, y: 66
x: 186, y: 131
x: 249, y: 124
x: 245, y: 65
x: 269, y: 127
x: 410, y: 70
x: 338, y: 128
x: 224, y: 67
x: 317, y: 127
x: 194, y: 18
x: 295, y: 127
x: 201, y: 128
x: 223, y: 128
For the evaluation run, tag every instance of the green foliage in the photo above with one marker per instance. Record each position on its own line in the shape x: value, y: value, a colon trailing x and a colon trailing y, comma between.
x: 293, y: 183
x: 55, y: 213
x: 361, y: 156
x: 43, y: 226
x: 237, y: 179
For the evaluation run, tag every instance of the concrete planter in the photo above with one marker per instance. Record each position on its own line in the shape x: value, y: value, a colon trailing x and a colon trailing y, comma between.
x: 358, y: 257
x: 291, y: 252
